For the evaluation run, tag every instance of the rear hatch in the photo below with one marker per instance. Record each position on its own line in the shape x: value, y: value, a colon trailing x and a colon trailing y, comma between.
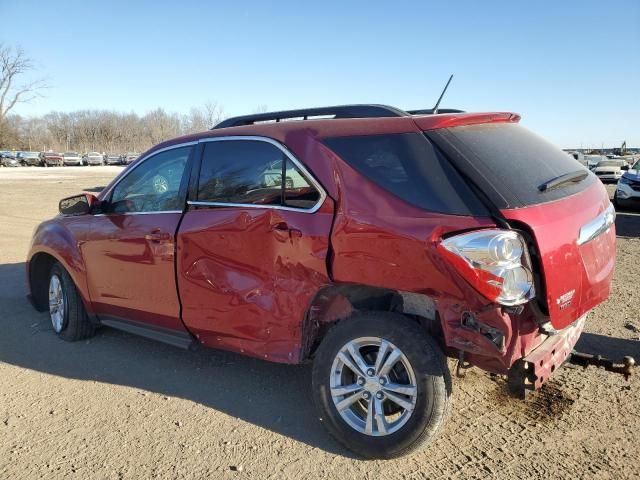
x: 541, y: 190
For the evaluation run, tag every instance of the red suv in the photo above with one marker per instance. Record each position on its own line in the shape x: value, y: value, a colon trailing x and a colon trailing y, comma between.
x: 365, y: 239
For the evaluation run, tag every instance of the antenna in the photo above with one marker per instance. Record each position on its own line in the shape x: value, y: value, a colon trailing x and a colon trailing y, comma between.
x: 435, y: 108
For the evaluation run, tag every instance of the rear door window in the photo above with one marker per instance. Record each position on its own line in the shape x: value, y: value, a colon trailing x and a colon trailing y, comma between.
x: 252, y: 172
x: 410, y: 167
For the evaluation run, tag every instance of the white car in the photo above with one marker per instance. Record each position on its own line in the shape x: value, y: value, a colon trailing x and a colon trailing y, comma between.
x: 609, y: 170
x: 628, y: 188
x: 293, y: 179
x: 94, y: 158
x: 71, y: 158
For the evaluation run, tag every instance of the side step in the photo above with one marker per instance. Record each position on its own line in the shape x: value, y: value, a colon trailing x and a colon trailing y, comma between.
x: 165, y: 335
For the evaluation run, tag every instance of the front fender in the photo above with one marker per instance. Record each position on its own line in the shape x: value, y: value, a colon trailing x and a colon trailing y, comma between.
x: 52, y: 238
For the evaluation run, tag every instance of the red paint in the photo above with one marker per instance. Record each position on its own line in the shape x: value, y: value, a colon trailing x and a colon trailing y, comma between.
x: 246, y: 276
x: 248, y: 279
x: 432, y: 122
x: 566, y: 266
x: 129, y: 261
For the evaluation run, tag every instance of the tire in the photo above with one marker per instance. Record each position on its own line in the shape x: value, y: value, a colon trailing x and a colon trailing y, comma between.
x: 72, y: 324
x: 427, y: 367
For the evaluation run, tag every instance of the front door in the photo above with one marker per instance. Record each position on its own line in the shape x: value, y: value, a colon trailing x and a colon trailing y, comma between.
x: 252, y: 249
x: 129, y: 251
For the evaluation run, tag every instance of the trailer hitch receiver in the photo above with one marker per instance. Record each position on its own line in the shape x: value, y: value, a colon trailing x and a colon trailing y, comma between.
x: 625, y: 368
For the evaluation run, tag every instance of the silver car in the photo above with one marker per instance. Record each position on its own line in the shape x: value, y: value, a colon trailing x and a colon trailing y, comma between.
x: 94, y: 158
x: 71, y: 158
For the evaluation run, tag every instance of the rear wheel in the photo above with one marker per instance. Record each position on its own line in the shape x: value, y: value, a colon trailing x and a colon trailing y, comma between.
x: 381, y: 385
x: 66, y: 310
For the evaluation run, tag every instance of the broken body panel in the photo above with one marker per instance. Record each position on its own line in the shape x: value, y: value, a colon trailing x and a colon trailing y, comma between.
x: 235, y: 280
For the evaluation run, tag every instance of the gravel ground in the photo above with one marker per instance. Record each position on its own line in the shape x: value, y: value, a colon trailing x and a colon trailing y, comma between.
x: 118, y: 406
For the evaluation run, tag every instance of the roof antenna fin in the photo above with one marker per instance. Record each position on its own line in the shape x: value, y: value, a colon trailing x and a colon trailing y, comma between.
x: 435, y: 108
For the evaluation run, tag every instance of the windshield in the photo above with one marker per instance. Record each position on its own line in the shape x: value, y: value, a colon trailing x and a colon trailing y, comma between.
x: 611, y: 163
x: 70, y: 154
x: 636, y: 166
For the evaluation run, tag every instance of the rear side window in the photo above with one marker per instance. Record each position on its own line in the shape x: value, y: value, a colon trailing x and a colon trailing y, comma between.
x: 409, y: 166
x: 252, y: 172
x: 513, y: 162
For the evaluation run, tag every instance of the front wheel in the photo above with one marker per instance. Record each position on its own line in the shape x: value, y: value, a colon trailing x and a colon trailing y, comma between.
x: 381, y: 384
x: 66, y: 310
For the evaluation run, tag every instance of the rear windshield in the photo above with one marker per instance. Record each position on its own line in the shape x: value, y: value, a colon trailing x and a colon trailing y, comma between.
x: 409, y: 166
x: 510, y: 163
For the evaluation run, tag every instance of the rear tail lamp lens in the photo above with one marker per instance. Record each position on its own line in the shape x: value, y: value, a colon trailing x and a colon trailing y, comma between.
x: 495, y: 262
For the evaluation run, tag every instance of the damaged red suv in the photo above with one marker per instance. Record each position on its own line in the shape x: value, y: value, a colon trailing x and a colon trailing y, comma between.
x: 370, y: 241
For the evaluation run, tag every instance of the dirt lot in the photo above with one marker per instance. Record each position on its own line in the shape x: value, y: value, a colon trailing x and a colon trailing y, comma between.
x: 119, y: 406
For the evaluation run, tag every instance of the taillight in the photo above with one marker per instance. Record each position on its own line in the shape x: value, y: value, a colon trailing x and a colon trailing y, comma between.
x: 495, y: 262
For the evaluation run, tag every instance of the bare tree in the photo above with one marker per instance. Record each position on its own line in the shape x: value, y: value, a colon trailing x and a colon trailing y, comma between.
x: 14, y: 63
x: 104, y: 130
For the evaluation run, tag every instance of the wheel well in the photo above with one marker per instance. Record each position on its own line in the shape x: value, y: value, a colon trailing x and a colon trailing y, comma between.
x: 39, y: 268
x: 337, y: 302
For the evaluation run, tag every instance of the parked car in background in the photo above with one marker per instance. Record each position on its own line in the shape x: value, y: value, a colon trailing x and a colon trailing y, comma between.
x: 610, y: 170
x: 579, y: 156
x: 113, y: 159
x: 9, y: 159
x: 627, y: 193
x: 52, y: 159
x: 72, y: 158
x: 400, y: 239
x: 593, y: 160
x: 130, y: 158
x: 30, y: 159
x: 94, y: 158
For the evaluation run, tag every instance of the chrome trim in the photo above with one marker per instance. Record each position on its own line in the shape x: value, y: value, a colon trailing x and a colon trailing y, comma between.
x: 290, y: 156
x: 136, y: 213
x: 598, y: 225
x: 139, y: 162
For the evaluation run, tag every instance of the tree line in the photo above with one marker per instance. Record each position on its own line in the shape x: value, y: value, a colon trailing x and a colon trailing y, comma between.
x: 103, y: 130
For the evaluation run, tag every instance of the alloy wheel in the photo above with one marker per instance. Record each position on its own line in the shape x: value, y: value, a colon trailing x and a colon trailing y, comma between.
x: 373, y: 386
x: 56, y: 303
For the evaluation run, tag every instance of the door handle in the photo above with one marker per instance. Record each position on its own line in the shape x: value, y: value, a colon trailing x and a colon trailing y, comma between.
x: 284, y: 228
x: 280, y: 226
x: 157, y: 237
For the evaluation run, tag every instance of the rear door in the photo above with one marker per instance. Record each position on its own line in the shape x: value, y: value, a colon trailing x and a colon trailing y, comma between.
x: 519, y: 173
x: 252, y: 248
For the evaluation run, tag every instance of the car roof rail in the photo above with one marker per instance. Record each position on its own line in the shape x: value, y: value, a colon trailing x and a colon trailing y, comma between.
x: 338, y: 111
x: 429, y: 111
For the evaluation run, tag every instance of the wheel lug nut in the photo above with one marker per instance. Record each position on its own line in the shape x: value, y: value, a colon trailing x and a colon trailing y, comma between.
x: 360, y: 381
x: 382, y: 381
x: 379, y: 396
x: 366, y: 395
x: 371, y: 372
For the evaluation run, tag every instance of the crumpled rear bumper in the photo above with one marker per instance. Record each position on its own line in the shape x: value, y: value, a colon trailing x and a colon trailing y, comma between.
x: 532, y: 371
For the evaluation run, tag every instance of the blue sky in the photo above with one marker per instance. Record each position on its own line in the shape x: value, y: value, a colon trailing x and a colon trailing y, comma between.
x: 571, y: 68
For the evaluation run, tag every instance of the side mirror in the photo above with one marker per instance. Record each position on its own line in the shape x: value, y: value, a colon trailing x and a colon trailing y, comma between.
x: 78, y: 204
x: 624, y: 167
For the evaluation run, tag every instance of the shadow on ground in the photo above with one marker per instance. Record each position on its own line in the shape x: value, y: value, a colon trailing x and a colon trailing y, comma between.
x: 627, y: 224
x: 272, y: 396
x: 611, y: 347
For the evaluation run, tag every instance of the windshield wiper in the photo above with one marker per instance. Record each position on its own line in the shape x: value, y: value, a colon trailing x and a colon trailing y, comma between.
x: 571, y: 177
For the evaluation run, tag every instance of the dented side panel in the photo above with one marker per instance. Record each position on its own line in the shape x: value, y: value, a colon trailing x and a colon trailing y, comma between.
x: 245, y: 283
